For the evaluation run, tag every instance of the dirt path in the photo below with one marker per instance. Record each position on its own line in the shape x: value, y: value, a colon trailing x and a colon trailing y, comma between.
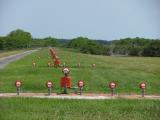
x: 89, y: 96
x: 5, y: 60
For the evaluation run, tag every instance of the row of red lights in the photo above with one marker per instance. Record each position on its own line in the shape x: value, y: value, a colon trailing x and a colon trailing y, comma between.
x: 112, y: 85
x: 49, y: 64
x: 49, y: 84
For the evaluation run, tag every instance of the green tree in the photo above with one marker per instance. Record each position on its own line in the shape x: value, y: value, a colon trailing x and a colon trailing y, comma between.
x: 19, y: 38
x: 49, y: 41
x: 153, y: 49
x: 86, y: 45
x: 1, y: 43
x: 129, y: 46
x: 78, y: 42
x: 45, y: 42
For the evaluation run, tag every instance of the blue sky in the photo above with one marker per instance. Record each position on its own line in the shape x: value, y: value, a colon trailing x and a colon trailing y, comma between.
x: 96, y: 19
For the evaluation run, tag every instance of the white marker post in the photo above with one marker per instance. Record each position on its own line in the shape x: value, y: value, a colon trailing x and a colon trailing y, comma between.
x: 94, y: 66
x: 49, y: 64
x: 33, y: 64
x: 79, y: 65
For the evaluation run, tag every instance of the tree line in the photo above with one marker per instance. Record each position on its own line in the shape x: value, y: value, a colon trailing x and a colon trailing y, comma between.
x: 19, y: 39
x: 127, y: 47
x: 135, y: 47
x: 15, y: 40
x: 88, y: 46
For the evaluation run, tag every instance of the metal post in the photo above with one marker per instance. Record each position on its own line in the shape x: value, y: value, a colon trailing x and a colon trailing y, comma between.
x: 18, y: 90
x: 49, y: 91
x: 65, y: 90
x: 112, y: 92
x: 142, y: 92
x: 80, y: 90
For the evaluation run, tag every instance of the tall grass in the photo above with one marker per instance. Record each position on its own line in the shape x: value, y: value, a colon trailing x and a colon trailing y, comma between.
x: 54, y: 109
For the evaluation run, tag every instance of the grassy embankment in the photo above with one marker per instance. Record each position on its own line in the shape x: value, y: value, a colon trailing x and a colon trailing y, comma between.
x: 127, y: 72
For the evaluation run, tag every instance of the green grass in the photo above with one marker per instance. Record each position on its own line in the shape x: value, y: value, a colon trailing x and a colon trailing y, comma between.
x: 127, y: 72
x: 8, y: 53
x: 54, y: 109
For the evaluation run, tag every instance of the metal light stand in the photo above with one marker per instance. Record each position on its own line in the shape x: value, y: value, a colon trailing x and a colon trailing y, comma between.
x: 65, y: 90
x: 18, y: 90
x: 112, y: 91
x: 143, y: 92
x: 49, y: 91
x: 80, y: 90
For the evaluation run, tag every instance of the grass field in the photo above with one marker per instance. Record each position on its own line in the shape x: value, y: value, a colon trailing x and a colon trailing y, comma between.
x: 127, y: 72
x: 54, y: 109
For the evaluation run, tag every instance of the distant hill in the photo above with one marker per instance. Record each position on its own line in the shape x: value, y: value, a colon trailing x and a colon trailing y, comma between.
x: 63, y: 42
x: 104, y: 42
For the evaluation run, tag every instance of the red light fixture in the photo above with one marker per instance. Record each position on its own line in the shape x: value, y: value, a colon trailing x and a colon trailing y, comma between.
x: 49, y: 85
x: 80, y: 85
x: 142, y: 86
x: 112, y: 86
x: 18, y: 84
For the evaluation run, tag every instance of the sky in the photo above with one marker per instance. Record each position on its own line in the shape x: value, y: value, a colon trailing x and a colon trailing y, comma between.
x: 95, y: 19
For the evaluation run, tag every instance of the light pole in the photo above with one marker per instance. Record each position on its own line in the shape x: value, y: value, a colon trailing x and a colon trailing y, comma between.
x: 49, y: 85
x: 18, y: 84
x: 112, y: 86
x: 80, y: 86
x: 142, y: 86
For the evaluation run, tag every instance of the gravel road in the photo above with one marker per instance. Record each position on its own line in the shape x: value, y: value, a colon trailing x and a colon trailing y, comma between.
x: 5, y: 60
x: 89, y: 96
